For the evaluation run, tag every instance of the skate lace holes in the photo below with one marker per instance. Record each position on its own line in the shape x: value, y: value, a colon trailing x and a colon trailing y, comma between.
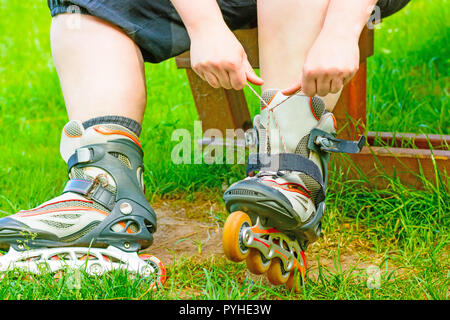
x: 126, y: 245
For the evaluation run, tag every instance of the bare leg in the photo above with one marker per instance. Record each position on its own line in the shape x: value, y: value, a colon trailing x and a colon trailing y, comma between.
x: 287, y: 29
x: 101, y: 69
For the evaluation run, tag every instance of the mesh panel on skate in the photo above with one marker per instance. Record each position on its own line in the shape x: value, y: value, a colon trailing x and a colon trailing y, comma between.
x: 113, y: 126
x: 302, y: 147
x: 56, y: 224
x: 267, y: 95
x: 67, y: 216
x: 318, y: 106
x: 123, y: 158
x: 73, y: 129
x: 311, y: 185
x: 78, y: 173
x: 81, y: 233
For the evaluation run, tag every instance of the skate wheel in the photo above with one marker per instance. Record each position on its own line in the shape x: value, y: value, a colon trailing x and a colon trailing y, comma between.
x: 297, y: 277
x: 256, y: 263
x: 295, y: 281
x: 276, y: 273
x: 161, y: 275
x: 232, y: 241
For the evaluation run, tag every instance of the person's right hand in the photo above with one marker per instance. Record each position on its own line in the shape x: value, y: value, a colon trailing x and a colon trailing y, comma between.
x: 219, y: 58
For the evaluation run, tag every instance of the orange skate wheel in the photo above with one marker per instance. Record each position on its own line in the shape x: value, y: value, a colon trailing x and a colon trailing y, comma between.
x: 295, y: 281
x: 298, y: 275
x: 276, y: 273
x: 232, y: 241
x: 256, y: 263
x: 161, y: 275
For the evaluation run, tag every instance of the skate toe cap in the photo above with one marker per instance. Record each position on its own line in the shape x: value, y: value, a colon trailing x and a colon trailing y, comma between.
x: 10, y: 226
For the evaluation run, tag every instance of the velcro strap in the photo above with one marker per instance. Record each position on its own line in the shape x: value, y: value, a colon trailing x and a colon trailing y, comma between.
x: 81, y: 155
x: 287, y: 162
x: 91, y: 191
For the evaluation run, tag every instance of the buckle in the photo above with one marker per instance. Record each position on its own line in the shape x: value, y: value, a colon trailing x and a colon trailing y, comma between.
x: 323, y: 141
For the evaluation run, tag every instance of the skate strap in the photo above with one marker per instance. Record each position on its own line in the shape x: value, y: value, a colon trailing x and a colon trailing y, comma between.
x: 92, y: 191
x: 81, y: 155
x: 286, y: 162
x: 325, y: 142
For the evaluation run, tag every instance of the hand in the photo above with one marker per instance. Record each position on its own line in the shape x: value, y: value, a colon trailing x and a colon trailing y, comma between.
x: 330, y: 64
x: 219, y: 58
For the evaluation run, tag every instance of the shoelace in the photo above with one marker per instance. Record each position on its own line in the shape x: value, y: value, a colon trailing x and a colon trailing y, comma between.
x: 271, y: 114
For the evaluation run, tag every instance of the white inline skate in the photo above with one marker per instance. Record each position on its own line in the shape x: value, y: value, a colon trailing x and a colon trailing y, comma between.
x: 101, y: 220
x: 277, y: 210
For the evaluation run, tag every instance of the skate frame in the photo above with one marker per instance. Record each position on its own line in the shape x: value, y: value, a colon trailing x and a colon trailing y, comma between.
x: 424, y: 154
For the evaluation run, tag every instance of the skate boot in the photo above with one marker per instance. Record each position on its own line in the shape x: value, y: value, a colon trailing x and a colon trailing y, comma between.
x: 277, y: 210
x: 101, y: 219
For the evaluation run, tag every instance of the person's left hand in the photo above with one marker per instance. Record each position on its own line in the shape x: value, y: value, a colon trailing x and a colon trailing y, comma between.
x: 330, y: 63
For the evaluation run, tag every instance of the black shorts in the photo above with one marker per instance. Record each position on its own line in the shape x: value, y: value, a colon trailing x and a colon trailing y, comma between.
x: 156, y: 27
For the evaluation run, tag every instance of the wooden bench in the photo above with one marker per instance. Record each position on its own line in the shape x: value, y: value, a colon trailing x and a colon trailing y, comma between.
x: 227, y: 109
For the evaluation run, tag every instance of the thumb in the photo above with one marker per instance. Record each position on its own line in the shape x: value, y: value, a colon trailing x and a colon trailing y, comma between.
x: 293, y: 89
x: 252, y: 77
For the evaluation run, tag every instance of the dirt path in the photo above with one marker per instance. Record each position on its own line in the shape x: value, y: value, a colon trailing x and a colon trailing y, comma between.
x: 187, y: 229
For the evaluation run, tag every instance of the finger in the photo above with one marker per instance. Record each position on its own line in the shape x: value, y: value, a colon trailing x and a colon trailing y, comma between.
x: 292, y: 89
x: 221, y: 75
x: 252, y: 77
x: 238, y: 79
x: 309, y: 85
x: 212, y: 80
x: 323, y: 86
x: 347, y: 78
x: 224, y: 79
x: 336, y: 85
x: 200, y: 73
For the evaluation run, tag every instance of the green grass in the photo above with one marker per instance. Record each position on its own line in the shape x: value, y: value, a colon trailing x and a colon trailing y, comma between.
x: 402, y: 230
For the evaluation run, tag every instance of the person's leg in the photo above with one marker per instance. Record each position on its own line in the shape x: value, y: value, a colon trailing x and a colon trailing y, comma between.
x: 286, y: 183
x: 103, y: 203
x: 101, y: 69
x: 286, y: 32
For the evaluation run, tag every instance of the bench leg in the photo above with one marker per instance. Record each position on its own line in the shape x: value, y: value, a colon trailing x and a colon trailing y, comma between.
x: 350, y: 110
x: 219, y: 108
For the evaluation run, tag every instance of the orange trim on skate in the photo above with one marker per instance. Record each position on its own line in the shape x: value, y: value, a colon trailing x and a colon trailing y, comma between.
x: 296, y: 191
x: 268, y: 103
x: 61, y: 209
x: 312, y: 109
x: 122, y: 224
x: 257, y: 229
x: 52, y: 203
x: 105, y: 131
x: 289, y: 183
x: 334, y: 121
x: 282, y: 255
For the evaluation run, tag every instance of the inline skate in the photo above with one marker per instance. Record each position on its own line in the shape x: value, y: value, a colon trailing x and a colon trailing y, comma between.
x: 100, y: 221
x: 277, y: 210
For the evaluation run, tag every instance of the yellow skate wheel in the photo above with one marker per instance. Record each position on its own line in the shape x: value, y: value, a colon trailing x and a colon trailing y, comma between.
x: 256, y: 263
x: 276, y: 273
x: 232, y: 241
